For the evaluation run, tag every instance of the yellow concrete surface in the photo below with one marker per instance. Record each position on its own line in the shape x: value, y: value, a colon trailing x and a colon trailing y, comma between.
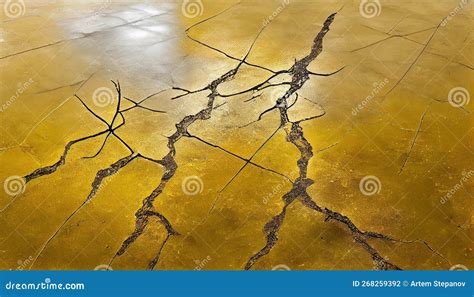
x: 391, y: 141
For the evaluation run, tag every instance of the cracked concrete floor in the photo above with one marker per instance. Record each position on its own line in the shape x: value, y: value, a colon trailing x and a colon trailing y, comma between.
x: 236, y: 135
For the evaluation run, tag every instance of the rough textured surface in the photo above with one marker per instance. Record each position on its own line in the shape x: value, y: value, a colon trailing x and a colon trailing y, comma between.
x: 236, y: 135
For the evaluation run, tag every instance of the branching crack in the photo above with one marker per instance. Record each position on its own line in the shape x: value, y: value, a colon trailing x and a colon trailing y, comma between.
x: 295, y: 136
x: 298, y: 74
x: 147, y: 209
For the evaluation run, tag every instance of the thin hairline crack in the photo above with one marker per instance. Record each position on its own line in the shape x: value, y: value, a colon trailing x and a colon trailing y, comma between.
x: 299, y: 75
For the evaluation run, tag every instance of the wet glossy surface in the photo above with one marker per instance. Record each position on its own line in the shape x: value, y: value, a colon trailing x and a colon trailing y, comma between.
x: 397, y: 120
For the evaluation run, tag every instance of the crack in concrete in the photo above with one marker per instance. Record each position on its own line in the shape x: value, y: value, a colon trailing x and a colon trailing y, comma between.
x: 101, y: 174
x: 298, y: 191
x: 294, y: 134
x: 299, y: 75
x: 249, y: 161
x: 110, y: 130
x: 187, y: 31
x: 83, y: 35
x: 21, y: 144
x: 414, y: 139
x: 143, y: 214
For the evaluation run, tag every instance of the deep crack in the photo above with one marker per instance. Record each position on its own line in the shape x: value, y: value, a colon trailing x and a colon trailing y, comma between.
x: 295, y: 136
x: 299, y: 75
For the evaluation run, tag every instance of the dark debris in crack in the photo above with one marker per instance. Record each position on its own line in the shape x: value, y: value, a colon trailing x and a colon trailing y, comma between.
x: 299, y: 75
